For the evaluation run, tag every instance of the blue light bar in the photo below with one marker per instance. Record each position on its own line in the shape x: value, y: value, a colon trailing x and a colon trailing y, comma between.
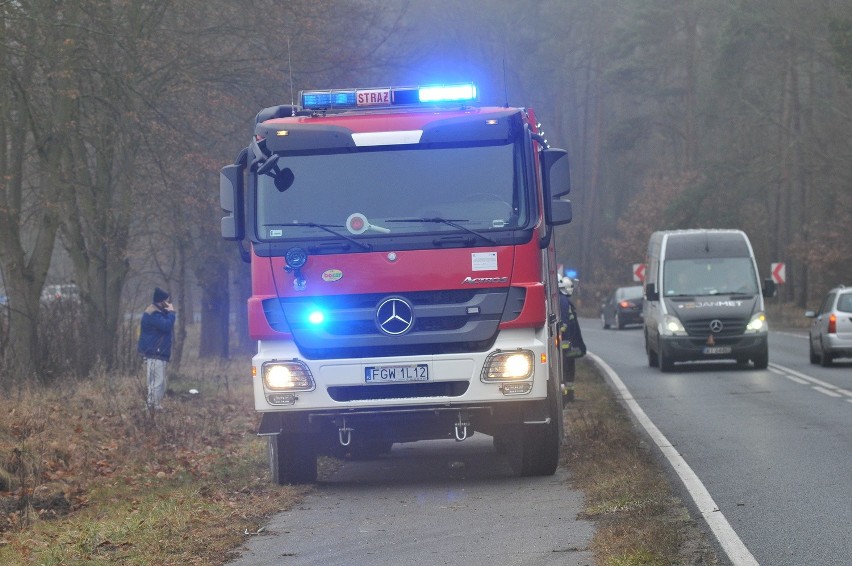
x: 328, y: 99
x: 384, y: 97
x: 448, y: 93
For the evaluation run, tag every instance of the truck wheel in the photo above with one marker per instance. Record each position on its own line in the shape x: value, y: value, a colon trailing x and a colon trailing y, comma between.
x: 535, y: 451
x: 292, y: 459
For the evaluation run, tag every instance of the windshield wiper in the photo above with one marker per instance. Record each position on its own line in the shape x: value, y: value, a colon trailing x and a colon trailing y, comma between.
x: 327, y: 228
x: 449, y: 222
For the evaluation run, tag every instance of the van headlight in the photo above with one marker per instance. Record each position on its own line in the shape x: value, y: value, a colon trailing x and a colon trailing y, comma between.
x: 757, y: 324
x: 291, y: 375
x: 672, y: 326
x: 508, y: 366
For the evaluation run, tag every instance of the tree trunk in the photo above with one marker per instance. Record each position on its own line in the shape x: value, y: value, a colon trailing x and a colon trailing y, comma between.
x: 215, y: 311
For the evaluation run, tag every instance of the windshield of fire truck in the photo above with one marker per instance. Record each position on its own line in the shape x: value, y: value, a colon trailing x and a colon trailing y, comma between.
x: 480, y: 188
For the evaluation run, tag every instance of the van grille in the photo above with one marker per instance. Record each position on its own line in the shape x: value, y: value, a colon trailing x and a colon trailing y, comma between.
x: 701, y: 327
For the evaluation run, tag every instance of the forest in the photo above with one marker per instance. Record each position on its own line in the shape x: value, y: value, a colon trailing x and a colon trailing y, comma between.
x: 116, y: 116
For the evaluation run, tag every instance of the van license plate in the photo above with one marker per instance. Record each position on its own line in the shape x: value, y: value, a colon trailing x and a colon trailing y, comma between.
x: 717, y: 350
x: 390, y: 374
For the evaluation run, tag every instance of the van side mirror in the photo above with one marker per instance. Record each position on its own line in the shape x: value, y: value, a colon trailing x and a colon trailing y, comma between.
x: 651, y: 292
x: 769, y: 288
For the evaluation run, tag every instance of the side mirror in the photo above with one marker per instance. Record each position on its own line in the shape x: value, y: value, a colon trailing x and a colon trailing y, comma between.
x: 231, y: 201
x: 810, y: 314
x: 556, y: 172
x: 651, y: 292
x: 769, y: 288
x: 560, y: 212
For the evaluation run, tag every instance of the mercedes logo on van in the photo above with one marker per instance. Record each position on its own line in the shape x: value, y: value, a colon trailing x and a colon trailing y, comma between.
x: 394, y: 316
x: 716, y: 326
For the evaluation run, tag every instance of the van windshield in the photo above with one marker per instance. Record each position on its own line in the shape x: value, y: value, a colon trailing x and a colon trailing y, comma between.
x: 714, y: 276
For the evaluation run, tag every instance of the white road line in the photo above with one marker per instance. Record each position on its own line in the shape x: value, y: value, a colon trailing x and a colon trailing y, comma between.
x: 789, y: 373
x: 798, y: 380
x: 826, y: 391
x: 725, y: 534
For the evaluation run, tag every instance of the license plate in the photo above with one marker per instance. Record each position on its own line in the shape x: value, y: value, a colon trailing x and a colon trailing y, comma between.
x: 391, y: 374
x: 717, y: 350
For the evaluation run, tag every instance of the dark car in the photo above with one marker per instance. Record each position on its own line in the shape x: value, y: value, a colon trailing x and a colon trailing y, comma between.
x: 622, y: 307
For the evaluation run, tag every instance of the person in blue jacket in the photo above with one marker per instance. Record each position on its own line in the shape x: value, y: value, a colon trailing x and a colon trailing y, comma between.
x: 155, y: 344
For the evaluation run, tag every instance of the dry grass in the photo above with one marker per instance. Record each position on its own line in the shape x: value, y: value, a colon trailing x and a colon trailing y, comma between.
x: 88, y: 475
x: 639, y: 521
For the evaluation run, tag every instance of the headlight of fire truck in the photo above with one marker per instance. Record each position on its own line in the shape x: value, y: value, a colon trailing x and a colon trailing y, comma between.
x: 757, y: 324
x: 513, y: 365
x: 290, y: 375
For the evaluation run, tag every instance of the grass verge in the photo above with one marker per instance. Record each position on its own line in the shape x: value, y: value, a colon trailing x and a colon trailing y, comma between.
x: 639, y: 520
x: 88, y: 475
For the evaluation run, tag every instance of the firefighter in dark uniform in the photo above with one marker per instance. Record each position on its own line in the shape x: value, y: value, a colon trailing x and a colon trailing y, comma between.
x: 571, y: 341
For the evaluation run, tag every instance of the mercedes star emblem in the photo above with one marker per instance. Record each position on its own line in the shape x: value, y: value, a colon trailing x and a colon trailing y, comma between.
x: 394, y: 316
x: 716, y: 326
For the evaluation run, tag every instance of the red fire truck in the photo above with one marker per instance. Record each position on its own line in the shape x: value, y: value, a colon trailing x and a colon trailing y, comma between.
x: 403, y: 274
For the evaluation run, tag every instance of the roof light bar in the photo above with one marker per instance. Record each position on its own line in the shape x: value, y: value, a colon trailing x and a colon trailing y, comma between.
x: 384, y: 97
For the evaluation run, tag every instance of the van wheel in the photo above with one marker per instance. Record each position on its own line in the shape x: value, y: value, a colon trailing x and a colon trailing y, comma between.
x: 761, y: 361
x: 653, y: 361
x: 666, y: 363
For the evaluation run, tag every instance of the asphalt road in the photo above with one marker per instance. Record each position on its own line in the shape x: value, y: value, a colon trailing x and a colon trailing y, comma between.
x: 772, y: 447
x: 430, y: 502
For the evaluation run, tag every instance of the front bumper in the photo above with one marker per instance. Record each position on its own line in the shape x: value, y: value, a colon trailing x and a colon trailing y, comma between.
x: 687, y: 348
x: 454, y: 379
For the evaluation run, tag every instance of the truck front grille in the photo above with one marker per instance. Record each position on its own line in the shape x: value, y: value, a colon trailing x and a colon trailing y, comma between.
x: 445, y: 321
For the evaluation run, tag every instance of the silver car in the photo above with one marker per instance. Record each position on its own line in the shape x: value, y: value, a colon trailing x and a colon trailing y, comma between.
x: 831, y: 330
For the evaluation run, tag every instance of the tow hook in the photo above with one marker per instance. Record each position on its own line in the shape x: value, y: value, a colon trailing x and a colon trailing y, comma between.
x: 344, y: 434
x: 461, y: 428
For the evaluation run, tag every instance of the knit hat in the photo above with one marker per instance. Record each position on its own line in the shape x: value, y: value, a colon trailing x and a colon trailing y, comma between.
x: 160, y: 295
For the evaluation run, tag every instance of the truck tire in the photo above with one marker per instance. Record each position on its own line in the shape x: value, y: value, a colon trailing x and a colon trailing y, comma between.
x: 535, y: 450
x: 292, y: 459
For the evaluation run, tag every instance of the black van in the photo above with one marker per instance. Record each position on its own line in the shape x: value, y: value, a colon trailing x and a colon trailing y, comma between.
x: 703, y: 299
